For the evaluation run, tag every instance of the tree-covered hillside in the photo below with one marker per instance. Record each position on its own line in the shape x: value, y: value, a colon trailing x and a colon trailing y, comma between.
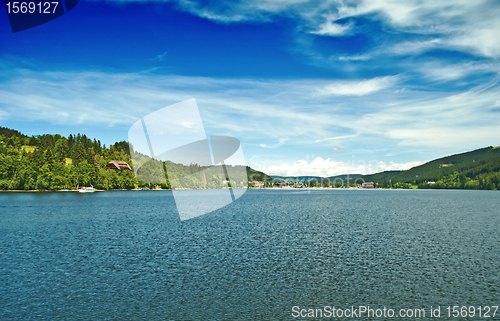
x: 478, y: 169
x: 298, y: 179
x: 53, y: 162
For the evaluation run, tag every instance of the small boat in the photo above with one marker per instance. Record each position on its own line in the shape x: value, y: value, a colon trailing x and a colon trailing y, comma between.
x: 87, y: 190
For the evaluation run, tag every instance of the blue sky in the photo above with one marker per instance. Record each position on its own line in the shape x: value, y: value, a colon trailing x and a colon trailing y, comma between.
x: 309, y: 87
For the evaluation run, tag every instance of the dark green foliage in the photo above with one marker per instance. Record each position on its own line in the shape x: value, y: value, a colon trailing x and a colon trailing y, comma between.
x: 387, y: 175
x: 254, y: 175
x: 300, y: 179
x: 479, y: 169
x: 471, y: 164
x: 7, y: 133
x: 123, y: 145
x: 42, y: 163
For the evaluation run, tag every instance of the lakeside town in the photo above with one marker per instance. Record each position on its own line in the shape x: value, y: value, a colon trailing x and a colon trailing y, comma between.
x: 311, y: 184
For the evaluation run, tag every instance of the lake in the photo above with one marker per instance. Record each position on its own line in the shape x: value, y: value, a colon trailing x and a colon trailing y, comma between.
x: 270, y: 255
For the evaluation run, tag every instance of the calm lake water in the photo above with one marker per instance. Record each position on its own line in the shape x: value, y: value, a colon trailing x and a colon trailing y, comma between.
x: 127, y: 256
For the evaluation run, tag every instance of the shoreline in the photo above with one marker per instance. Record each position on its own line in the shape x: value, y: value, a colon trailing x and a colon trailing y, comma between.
x: 252, y: 188
x: 73, y: 190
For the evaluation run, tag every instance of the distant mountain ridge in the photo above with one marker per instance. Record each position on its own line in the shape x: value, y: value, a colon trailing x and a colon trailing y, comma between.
x: 298, y: 179
x: 465, y: 166
x: 463, y: 162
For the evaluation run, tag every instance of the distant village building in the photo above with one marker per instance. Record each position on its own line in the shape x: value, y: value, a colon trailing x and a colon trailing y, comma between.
x: 118, y: 165
x: 368, y: 185
x: 257, y: 183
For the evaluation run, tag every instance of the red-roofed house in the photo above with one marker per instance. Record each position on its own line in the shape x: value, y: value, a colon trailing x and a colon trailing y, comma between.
x: 118, y: 165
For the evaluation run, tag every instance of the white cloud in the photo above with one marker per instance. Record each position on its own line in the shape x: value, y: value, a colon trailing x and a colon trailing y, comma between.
x: 280, y: 143
x: 334, y: 138
x: 358, y: 88
x: 441, y: 136
x: 413, y: 47
x: 470, y: 26
x: 355, y: 58
x: 330, y: 28
x: 327, y: 167
x: 235, y: 11
x: 460, y: 120
x: 447, y: 72
x: 480, y: 37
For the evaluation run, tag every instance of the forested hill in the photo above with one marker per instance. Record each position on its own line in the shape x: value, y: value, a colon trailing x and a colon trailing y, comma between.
x: 7, y: 133
x: 53, y: 162
x: 255, y: 175
x: 478, y: 169
x: 299, y: 179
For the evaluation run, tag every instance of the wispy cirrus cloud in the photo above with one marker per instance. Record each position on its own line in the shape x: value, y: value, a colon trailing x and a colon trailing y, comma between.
x: 268, y: 115
x: 442, y: 121
x: 281, y: 142
x: 469, y: 26
x: 334, y: 138
x: 481, y: 40
x: 446, y: 72
x: 358, y: 88
x: 355, y: 58
x: 329, y: 28
x: 413, y: 47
